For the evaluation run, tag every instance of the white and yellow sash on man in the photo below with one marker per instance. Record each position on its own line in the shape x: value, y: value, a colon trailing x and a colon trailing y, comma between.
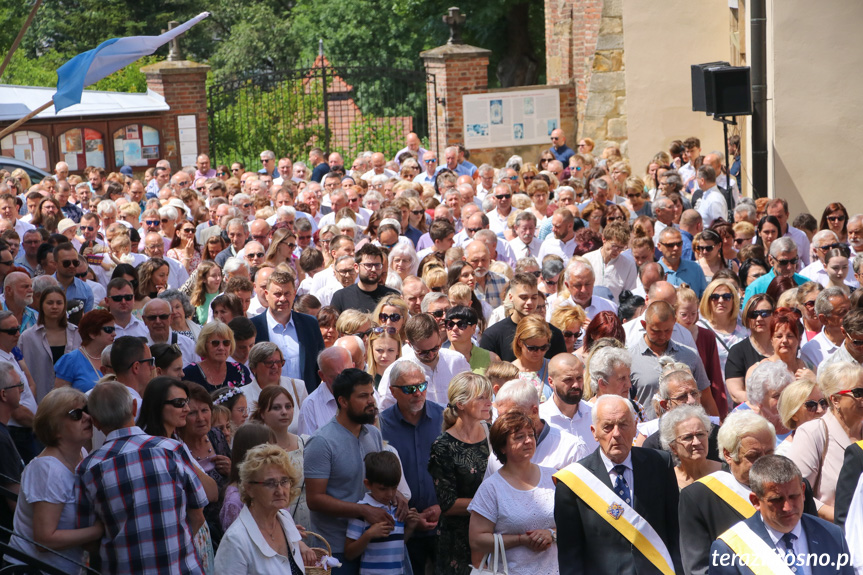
x: 753, y: 552
x: 730, y: 491
x: 620, y: 515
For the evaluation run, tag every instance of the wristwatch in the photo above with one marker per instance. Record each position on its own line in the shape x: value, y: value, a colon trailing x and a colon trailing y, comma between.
x: 553, y: 535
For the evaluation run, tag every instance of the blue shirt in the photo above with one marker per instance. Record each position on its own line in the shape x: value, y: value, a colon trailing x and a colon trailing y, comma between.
x: 413, y: 442
x: 285, y: 336
x: 689, y: 273
x: 562, y: 154
x: 686, y: 253
x: 79, y: 290
x: 77, y: 370
x: 465, y: 169
x: 761, y: 284
x: 28, y: 320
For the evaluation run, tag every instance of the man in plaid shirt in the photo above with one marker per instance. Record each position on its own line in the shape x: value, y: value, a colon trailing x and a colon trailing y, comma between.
x: 143, y: 489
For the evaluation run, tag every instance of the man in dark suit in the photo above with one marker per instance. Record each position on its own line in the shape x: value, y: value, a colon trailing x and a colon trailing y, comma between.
x: 780, y: 530
x: 296, y: 334
x: 847, y: 482
x: 642, y: 479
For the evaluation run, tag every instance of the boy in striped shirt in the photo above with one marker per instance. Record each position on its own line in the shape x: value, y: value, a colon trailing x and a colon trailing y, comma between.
x: 381, y: 545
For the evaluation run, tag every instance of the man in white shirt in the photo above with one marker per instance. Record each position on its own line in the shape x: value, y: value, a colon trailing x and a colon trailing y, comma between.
x: 21, y: 423
x: 562, y: 241
x: 157, y: 318
x: 613, y: 271
x: 379, y: 161
x: 831, y: 306
x: 120, y: 300
x: 579, y: 279
x: 566, y: 411
x: 413, y: 145
x: 554, y: 448
x: 320, y: 406
x: 712, y: 205
x: 339, y: 246
x: 497, y: 217
x: 525, y: 244
x: 692, y: 149
x: 424, y: 349
x: 663, y: 211
x: 429, y: 162
x: 822, y: 242
x: 154, y: 247
x: 778, y: 207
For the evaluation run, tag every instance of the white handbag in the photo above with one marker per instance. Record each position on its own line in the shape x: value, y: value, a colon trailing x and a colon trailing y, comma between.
x: 486, y: 567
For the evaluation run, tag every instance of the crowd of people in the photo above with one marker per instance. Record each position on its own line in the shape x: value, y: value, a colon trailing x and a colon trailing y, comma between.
x: 411, y: 363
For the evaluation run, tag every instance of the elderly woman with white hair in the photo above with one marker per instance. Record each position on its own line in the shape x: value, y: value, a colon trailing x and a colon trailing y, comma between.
x: 763, y: 388
x: 609, y: 369
x: 684, y: 433
x: 403, y: 259
x: 819, y: 445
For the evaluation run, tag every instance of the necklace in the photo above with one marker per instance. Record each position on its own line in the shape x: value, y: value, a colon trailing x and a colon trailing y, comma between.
x: 84, y: 349
x: 209, y: 449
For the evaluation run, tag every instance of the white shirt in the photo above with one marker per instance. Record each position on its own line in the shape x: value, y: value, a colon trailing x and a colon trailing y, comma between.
x: 185, y: 343
x: 578, y: 425
x: 326, y: 275
x: 556, y: 450
x: 802, y: 240
x: 657, y: 229
x: 28, y: 400
x: 257, y: 308
x: 617, y: 275
x: 135, y: 328
x: 245, y: 550
x: 371, y: 174
x: 317, y: 410
x: 552, y: 245
x: 21, y: 227
x: 818, y: 349
x: 712, y: 206
x: 597, y: 304
x: 523, y: 250
x: 816, y: 272
x: 449, y: 364
x: 330, y: 219
x: 297, y: 389
x: 627, y: 474
x: 497, y: 222
x: 634, y: 331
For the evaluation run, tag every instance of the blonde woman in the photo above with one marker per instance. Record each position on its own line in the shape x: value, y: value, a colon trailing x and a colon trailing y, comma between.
x: 392, y: 311
x: 532, y: 339
x: 354, y: 322
x: 384, y: 347
x: 569, y: 320
x: 800, y: 402
x: 719, y: 310
x: 457, y: 465
x: 215, y: 346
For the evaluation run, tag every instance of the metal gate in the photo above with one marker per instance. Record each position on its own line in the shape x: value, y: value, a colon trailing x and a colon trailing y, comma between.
x: 345, y: 109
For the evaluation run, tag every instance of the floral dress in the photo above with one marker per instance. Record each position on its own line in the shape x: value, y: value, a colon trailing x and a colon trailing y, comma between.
x: 192, y: 264
x: 457, y: 469
x: 237, y: 375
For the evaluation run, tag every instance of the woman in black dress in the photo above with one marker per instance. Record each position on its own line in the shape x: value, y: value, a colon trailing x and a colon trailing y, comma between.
x: 216, y: 369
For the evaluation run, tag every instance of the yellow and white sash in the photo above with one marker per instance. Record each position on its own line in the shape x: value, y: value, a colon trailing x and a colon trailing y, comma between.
x: 623, y: 518
x: 730, y: 491
x: 753, y: 552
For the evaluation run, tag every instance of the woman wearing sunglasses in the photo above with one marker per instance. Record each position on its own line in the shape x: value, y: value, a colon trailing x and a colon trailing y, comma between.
x: 719, y: 313
x: 835, y: 218
x: 83, y: 367
x: 384, y: 348
x: 785, y: 339
x: 532, y: 340
x: 569, y: 320
x: 819, y: 444
x: 185, y: 248
x: 215, y: 345
x: 46, y: 503
x: 756, y: 347
x: 707, y: 248
x: 461, y: 324
x: 265, y: 362
x: 50, y: 339
x: 800, y: 402
x: 392, y: 311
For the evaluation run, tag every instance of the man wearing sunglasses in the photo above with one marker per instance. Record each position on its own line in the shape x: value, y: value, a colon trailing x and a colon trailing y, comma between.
x: 778, y: 207
x: 784, y: 259
x: 368, y: 291
x: 424, y: 349
x: 66, y: 258
x: 120, y: 300
x: 157, y: 319
x: 502, y: 195
x: 831, y: 307
x: 133, y: 366
x: 823, y: 242
x: 678, y: 270
x: 851, y: 349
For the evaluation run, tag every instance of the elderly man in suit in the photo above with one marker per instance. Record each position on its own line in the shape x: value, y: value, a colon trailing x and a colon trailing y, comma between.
x: 622, y: 496
x: 296, y: 334
x: 779, y: 539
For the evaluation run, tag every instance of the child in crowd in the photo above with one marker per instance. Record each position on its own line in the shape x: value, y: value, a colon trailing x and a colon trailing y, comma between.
x: 381, y: 545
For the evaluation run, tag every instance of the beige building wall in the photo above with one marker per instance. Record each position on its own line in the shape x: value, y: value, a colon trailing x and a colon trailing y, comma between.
x: 661, y: 41
x: 816, y: 73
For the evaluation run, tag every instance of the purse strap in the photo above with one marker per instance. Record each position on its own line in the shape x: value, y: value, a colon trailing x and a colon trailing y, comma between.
x: 499, y: 547
x: 817, y: 485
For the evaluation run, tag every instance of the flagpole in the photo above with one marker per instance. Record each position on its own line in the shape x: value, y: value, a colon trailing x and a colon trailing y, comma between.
x: 20, y: 36
x: 12, y: 128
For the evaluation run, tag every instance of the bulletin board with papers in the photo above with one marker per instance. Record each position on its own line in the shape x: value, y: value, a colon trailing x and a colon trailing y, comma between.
x: 500, y: 119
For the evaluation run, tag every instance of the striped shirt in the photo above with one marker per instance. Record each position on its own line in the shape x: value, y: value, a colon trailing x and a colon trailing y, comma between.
x: 384, y: 556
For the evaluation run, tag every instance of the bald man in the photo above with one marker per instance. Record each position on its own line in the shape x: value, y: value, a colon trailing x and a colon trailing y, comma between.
x: 379, y: 162
x: 561, y: 152
x: 566, y: 411
x: 659, y: 291
x: 412, y: 145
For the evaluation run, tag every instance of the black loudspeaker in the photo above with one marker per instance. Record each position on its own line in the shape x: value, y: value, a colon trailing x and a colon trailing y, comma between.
x: 728, y: 91
x: 699, y: 97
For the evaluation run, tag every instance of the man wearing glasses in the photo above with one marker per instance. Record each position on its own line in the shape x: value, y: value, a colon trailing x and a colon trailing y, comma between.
x: 66, y: 258
x: 783, y: 257
x: 119, y: 301
x: 364, y: 295
x: 268, y: 161
x: 429, y: 162
x: 823, y: 242
x: 678, y: 270
x: 424, y: 349
x: 502, y: 195
x: 157, y: 318
x: 851, y: 349
x: 831, y: 306
x: 21, y: 423
x: 180, y: 181
x: 562, y: 153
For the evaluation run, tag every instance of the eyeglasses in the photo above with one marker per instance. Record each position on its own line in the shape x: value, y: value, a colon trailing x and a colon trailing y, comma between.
x: 64, y: 263
x: 247, y: 205
x: 417, y: 212
x: 347, y: 272
x: 835, y: 218
x: 857, y: 392
x: 762, y: 313
x: 272, y: 484
x: 512, y: 178
x: 178, y: 402
x: 280, y: 363
x: 77, y: 414
x: 412, y: 389
x: 222, y: 342
x: 426, y: 352
x: 738, y: 241
x: 377, y: 330
x: 160, y: 316
x: 109, y: 329
x: 119, y: 298
x: 690, y: 437
x: 537, y: 274
x: 614, y: 219
x: 707, y: 248
x: 432, y: 161
x: 184, y: 184
x: 151, y: 222
x: 187, y: 230
x: 10, y: 330
x: 439, y: 313
x: 389, y: 317
x: 569, y: 334
x: 372, y: 267
x: 18, y: 386
x: 87, y: 228
x: 721, y: 296
x: 462, y: 324
x: 791, y: 262
x: 829, y: 247
x: 221, y: 173
x: 812, y: 405
x: 672, y: 245
x: 504, y: 196
x: 255, y: 255
x: 536, y: 348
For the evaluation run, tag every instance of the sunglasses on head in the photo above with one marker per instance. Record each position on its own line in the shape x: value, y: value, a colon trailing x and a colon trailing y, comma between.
x: 178, y: 402
x: 812, y: 405
x: 535, y: 348
x: 461, y: 324
x: 721, y: 296
x: 389, y: 317
x: 119, y: 298
x: 412, y: 389
x: 77, y: 414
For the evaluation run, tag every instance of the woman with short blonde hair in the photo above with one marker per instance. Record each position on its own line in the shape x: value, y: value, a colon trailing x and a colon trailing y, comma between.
x: 215, y: 345
x: 569, y: 320
x: 532, y: 340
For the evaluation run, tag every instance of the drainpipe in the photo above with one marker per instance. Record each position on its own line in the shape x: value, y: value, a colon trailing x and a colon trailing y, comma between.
x: 758, y: 66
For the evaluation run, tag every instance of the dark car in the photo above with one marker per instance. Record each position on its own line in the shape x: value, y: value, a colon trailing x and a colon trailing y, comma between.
x: 11, y: 164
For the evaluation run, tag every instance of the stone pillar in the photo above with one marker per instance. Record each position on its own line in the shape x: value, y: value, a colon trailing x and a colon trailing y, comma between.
x: 183, y: 85
x: 458, y: 69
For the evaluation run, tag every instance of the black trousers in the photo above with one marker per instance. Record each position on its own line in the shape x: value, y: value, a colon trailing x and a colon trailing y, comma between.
x: 422, y: 552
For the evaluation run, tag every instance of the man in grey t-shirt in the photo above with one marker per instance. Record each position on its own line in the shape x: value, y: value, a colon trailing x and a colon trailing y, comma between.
x: 333, y: 464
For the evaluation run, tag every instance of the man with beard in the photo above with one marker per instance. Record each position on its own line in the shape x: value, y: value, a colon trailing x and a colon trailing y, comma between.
x: 333, y: 464
x: 489, y: 285
x: 562, y: 241
x: 364, y: 295
x: 18, y: 290
x: 566, y: 411
x: 47, y: 215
